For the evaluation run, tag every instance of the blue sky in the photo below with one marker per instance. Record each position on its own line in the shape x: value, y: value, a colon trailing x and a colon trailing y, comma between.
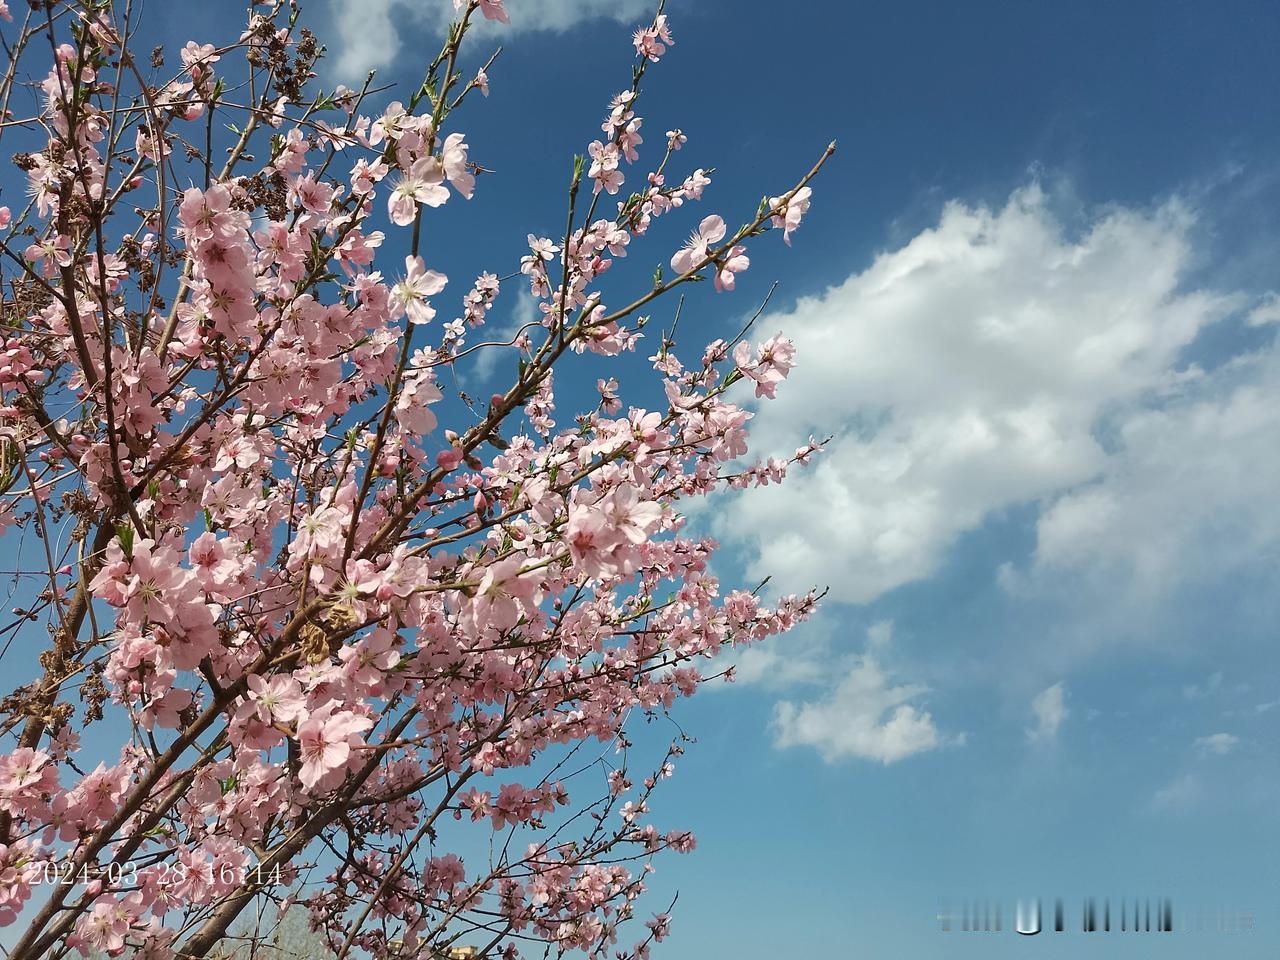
x: 1032, y: 305
x: 1033, y: 301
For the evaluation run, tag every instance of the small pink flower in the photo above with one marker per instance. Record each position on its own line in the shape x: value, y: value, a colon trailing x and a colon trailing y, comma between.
x: 423, y: 183
x: 694, y: 253
x: 735, y: 262
x: 326, y: 740
x: 411, y: 293
x: 792, y: 212
x: 492, y: 10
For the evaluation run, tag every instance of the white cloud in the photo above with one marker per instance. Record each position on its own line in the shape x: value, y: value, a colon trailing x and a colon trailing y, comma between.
x: 880, y: 634
x: 1268, y: 311
x: 1050, y: 709
x: 783, y: 662
x: 998, y: 360
x: 365, y: 37
x: 1191, y: 494
x: 1195, y: 691
x: 813, y: 654
x: 563, y: 14
x: 1180, y: 793
x: 369, y: 34
x: 865, y: 716
x: 1219, y: 743
x: 485, y: 361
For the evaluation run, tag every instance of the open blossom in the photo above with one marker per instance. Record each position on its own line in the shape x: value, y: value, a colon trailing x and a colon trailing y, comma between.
x: 413, y: 411
x: 325, y: 739
x: 604, y: 167
x: 652, y: 42
x: 50, y: 254
x: 796, y: 207
x: 423, y: 183
x: 199, y: 60
x: 710, y: 232
x: 629, y: 516
x: 411, y: 293
x: 278, y: 700
x: 733, y: 263
x: 206, y: 214
x: 775, y: 360
x: 456, y: 166
x: 700, y: 246
x: 106, y: 925
x: 492, y: 9
x: 311, y: 194
x: 365, y: 176
x: 609, y: 395
x: 375, y: 655
x: 602, y: 535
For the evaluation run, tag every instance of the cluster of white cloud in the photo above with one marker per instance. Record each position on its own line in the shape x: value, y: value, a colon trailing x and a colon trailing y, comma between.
x: 1050, y: 709
x: 1219, y: 743
x: 970, y: 371
x: 1186, y: 790
x: 865, y: 716
x: 857, y: 708
x: 371, y: 33
x: 1190, y: 494
x: 1180, y: 793
x: 1002, y: 359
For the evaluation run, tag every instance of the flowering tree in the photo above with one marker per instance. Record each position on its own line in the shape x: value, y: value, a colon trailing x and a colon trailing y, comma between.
x: 302, y: 643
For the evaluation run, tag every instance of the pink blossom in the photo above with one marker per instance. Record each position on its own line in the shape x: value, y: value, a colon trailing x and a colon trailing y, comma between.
x: 652, y: 42
x: 734, y: 262
x: 422, y: 184
x: 325, y: 739
x: 279, y: 700
x: 696, y: 251
x: 604, y: 167
x: 493, y: 10
x: 454, y: 162
x: 792, y: 211
x: 410, y: 294
x: 318, y: 560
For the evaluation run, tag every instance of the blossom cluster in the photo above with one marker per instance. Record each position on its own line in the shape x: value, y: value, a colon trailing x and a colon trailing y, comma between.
x: 332, y: 628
